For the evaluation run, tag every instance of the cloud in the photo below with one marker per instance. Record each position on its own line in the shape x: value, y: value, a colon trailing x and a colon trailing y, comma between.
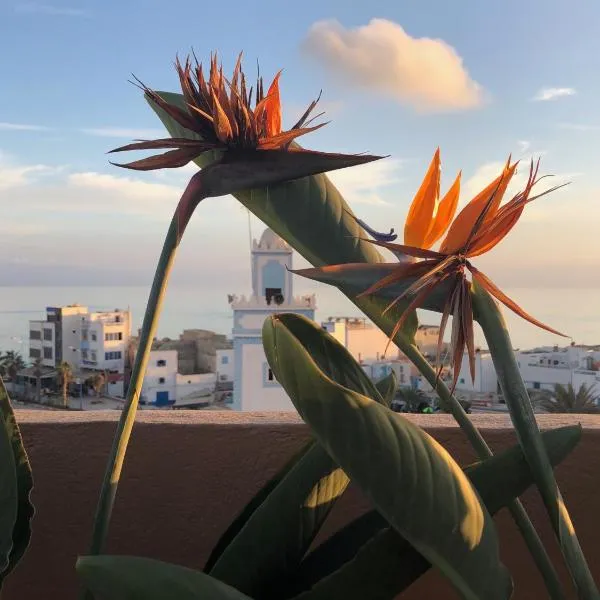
x: 33, y: 8
x: 122, y: 132
x: 363, y: 184
x: 15, y: 175
x: 524, y: 145
x: 122, y: 194
x: 426, y: 74
x: 546, y: 94
x: 579, y: 127
x: 21, y: 127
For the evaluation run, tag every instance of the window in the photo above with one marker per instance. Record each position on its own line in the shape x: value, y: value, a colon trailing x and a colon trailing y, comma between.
x: 536, y: 385
x: 84, y: 335
x: 161, y: 363
x: 35, y: 353
x: 273, y: 294
x: 161, y: 380
x: 461, y: 380
x: 48, y: 334
x: 112, y: 355
x: 84, y: 354
x: 47, y: 352
x: 224, y: 360
x: 111, y: 337
x: 270, y: 375
x: 35, y: 335
x: 93, y: 356
x: 555, y: 362
x: 94, y: 336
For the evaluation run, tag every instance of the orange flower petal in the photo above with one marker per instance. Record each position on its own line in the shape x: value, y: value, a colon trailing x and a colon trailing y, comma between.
x: 462, y: 227
x: 222, y: 125
x: 273, y: 108
x: 496, y: 232
x: 421, y: 210
x: 444, y: 215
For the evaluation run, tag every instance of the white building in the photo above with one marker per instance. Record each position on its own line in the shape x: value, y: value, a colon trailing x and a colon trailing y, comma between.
x: 225, y: 371
x: 88, y: 341
x: 402, y: 368
x: 255, y: 387
x: 486, y: 380
x: 57, y: 338
x: 160, y: 380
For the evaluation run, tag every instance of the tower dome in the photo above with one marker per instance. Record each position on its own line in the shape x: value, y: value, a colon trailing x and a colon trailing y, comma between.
x: 269, y: 240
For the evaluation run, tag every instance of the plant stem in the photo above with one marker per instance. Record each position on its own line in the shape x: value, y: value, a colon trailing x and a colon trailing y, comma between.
x: 528, y: 434
x: 530, y: 535
x: 182, y: 215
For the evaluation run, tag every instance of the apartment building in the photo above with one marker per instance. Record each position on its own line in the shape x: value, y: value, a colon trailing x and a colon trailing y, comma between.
x: 89, y: 341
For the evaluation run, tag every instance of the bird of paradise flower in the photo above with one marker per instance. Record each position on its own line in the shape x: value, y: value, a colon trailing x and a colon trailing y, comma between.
x: 482, y: 224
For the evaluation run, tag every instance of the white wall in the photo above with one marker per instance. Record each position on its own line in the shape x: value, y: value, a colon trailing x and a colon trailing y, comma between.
x: 486, y: 380
x: 254, y: 394
x: 192, y: 384
x: 224, y: 361
x: 155, y: 372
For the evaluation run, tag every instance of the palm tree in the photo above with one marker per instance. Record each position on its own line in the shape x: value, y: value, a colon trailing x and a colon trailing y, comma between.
x: 567, y: 400
x: 11, y: 362
x: 98, y: 381
x: 37, y: 371
x: 65, y: 375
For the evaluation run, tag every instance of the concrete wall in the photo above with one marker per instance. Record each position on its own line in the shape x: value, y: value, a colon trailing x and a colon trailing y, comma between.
x: 174, y: 502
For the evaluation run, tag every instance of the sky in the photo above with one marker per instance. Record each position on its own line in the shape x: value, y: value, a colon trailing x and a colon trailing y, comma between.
x: 480, y: 80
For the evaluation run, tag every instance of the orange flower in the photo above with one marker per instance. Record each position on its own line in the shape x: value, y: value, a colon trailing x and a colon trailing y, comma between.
x: 479, y: 227
x: 220, y: 112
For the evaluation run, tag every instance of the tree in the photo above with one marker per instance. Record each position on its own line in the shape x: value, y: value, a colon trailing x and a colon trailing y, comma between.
x: 564, y: 399
x: 37, y: 371
x: 65, y: 376
x: 414, y: 399
x: 98, y: 382
x: 11, y: 362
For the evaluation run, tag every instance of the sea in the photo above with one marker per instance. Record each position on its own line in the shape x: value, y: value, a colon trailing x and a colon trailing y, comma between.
x: 576, y: 312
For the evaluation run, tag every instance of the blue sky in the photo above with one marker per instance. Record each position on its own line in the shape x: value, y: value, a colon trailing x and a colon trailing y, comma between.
x: 66, y: 100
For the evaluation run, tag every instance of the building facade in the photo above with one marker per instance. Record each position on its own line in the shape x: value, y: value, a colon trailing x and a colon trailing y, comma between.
x: 254, y: 385
x: 89, y: 341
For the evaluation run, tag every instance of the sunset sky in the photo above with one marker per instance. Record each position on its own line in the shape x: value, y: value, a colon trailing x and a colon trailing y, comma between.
x: 479, y: 79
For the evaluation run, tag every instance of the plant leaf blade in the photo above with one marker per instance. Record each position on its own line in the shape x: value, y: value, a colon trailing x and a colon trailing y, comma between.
x: 416, y: 486
x: 132, y: 577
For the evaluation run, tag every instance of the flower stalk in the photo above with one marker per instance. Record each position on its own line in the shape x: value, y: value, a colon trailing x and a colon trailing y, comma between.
x: 529, y: 437
x: 190, y: 199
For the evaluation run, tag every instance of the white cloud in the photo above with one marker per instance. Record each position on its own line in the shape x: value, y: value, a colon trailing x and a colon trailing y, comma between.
x: 546, y: 94
x: 14, y: 175
x: 524, y: 145
x: 46, y: 9
x: 579, y: 127
x: 425, y: 73
x: 21, y: 127
x: 363, y: 184
x: 123, y: 132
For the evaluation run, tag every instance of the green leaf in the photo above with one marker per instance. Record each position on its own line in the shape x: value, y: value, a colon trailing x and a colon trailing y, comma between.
x: 21, y: 533
x: 135, y: 578
x: 9, y: 487
x: 309, y: 213
x: 282, y: 522
x: 361, y: 561
x: 261, y: 496
x: 387, y: 387
x: 410, y: 479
